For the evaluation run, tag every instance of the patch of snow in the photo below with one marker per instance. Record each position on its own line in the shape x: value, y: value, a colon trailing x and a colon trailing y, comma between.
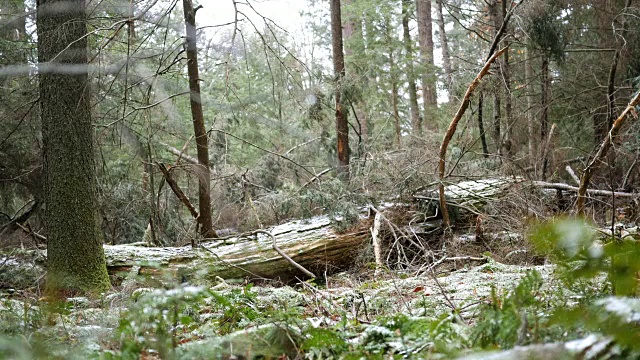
x: 581, y: 345
x: 627, y: 308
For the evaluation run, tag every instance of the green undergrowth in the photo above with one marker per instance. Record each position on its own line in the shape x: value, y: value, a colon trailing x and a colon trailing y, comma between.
x: 588, y: 294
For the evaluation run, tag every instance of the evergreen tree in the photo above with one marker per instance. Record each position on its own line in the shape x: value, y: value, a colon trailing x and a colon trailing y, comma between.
x: 75, y: 257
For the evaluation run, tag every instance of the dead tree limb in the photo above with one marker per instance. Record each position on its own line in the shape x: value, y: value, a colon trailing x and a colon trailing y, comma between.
x: 604, y: 147
x: 177, y: 191
x: 180, y: 153
x: 596, y: 192
x: 452, y: 129
x: 285, y: 256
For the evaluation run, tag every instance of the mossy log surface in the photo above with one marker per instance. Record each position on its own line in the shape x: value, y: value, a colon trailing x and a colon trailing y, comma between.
x: 312, y: 243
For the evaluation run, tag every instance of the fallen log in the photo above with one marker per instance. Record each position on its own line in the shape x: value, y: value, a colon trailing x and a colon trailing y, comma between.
x: 311, y: 243
x: 472, y: 195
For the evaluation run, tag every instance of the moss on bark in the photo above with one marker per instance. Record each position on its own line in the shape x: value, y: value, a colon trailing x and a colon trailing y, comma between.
x: 74, y: 251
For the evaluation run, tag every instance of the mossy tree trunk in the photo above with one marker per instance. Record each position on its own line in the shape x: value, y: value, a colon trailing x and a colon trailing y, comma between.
x: 342, y: 126
x: 75, y: 257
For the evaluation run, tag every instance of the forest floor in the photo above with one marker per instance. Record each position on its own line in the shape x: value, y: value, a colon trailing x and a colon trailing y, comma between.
x: 553, y: 300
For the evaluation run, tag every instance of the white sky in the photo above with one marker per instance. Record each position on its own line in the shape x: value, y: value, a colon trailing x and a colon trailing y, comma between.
x: 285, y: 13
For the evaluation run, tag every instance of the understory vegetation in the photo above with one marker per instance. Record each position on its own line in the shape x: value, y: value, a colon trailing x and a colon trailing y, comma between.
x: 483, y: 308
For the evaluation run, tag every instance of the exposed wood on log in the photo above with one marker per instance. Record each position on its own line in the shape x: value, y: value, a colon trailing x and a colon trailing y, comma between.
x: 375, y: 231
x: 604, y: 147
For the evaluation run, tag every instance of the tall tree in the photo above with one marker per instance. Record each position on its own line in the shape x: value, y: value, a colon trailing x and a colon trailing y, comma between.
x: 205, y: 219
x: 353, y: 39
x: 508, y: 106
x: 444, y: 45
x: 390, y: 40
x: 75, y: 257
x: 532, y: 144
x: 495, y: 17
x: 425, y: 41
x: 342, y: 126
x: 411, y: 76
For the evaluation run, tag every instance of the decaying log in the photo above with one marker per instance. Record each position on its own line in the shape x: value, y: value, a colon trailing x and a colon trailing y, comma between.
x: 311, y: 243
x: 472, y: 195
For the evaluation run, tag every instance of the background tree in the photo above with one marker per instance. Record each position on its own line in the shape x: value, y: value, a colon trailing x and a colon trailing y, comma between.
x: 75, y: 258
x: 429, y: 80
x: 342, y: 126
x: 202, y: 140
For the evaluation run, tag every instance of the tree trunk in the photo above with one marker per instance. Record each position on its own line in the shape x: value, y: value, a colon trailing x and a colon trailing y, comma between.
x: 205, y: 219
x: 544, y: 99
x: 444, y: 44
x: 531, y: 127
x: 394, y: 82
x: 483, y: 136
x: 425, y: 41
x: 342, y: 126
x: 394, y: 103
x: 75, y: 257
x: 497, y: 119
x: 352, y: 33
x: 507, y: 142
x: 495, y: 15
x: 411, y: 77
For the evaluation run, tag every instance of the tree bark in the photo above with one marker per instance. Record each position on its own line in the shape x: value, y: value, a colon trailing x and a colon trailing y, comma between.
x: 342, y: 126
x: 425, y: 41
x: 394, y: 82
x: 483, y: 136
x: 205, y: 219
x: 497, y: 118
x: 507, y: 142
x: 75, y: 257
x: 444, y: 45
x: 545, y: 87
x: 411, y: 76
x: 495, y: 15
x: 394, y: 104
x: 531, y: 127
